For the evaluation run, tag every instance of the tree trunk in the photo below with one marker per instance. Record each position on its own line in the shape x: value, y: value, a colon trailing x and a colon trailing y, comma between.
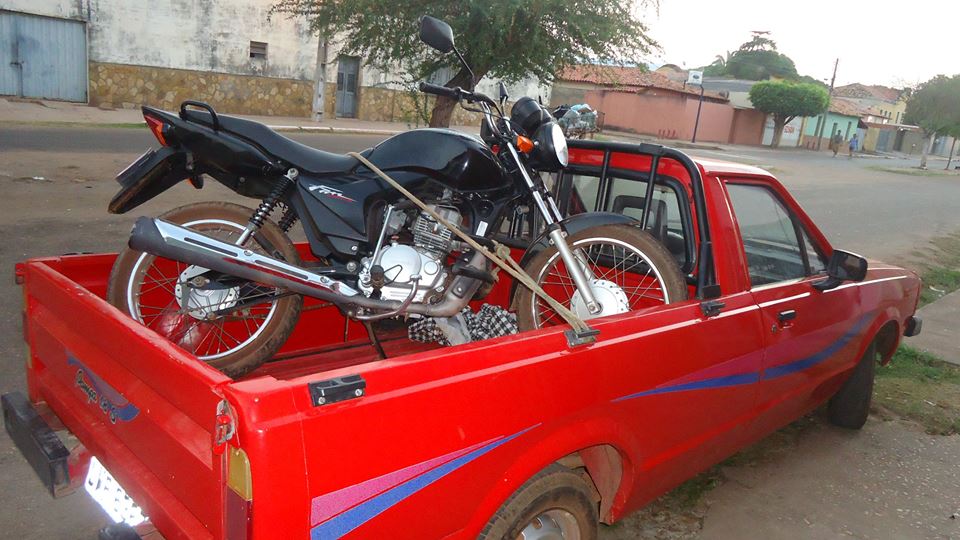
x: 443, y: 108
x: 950, y: 158
x: 927, y: 143
x: 778, y: 125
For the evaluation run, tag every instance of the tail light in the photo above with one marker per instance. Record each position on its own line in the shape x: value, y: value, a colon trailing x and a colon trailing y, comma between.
x: 157, y: 127
x: 239, y: 496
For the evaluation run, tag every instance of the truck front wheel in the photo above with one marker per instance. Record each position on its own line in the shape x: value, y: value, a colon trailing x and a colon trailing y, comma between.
x: 556, y: 504
x: 850, y: 406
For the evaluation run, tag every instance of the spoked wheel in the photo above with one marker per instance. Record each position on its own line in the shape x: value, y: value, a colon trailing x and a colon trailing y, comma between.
x: 229, y: 323
x: 626, y: 267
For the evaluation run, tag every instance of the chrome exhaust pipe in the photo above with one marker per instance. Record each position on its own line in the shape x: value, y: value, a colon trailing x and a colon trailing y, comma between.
x: 165, y: 239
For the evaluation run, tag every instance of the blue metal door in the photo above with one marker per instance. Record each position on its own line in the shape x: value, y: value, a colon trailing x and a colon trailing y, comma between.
x: 43, y: 57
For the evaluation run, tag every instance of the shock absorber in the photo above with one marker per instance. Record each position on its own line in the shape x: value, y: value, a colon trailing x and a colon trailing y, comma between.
x: 288, y: 220
x: 267, y: 205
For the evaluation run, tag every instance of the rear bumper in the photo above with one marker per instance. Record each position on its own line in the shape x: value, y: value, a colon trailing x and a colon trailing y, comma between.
x: 913, y: 326
x: 42, y: 448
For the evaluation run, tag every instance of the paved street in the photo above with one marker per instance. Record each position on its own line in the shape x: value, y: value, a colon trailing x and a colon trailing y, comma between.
x: 57, y: 182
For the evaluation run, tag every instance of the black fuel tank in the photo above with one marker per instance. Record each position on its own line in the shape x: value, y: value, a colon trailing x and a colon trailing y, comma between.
x: 457, y: 160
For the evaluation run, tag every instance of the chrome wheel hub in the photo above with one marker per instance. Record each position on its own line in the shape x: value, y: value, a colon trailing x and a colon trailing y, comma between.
x: 201, y: 303
x: 551, y: 525
x: 608, y: 294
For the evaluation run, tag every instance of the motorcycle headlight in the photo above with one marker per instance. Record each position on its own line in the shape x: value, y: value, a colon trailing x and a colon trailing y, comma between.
x: 552, y: 152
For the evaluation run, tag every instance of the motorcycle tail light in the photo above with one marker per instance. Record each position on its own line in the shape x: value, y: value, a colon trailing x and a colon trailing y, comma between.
x: 156, y: 126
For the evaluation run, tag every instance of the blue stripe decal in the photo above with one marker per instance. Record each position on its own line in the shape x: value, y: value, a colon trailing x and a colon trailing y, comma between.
x: 781, y: 370
x: 716, y: 382
x: 346, y: 522
x: 810, y: 361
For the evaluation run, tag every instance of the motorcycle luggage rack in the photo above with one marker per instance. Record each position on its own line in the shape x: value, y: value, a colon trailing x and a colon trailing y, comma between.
x: 200, y: 105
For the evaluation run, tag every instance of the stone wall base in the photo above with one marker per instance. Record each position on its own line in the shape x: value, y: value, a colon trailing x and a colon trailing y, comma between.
x: 127, y: 86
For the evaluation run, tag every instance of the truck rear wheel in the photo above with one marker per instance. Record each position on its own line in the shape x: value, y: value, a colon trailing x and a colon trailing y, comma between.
x: 553, y: 505
x: 850, y: 406
x: 630, y: 270
x: 232, y: 326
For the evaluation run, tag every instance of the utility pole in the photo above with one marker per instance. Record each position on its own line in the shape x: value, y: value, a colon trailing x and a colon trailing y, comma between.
x: 823, y: 122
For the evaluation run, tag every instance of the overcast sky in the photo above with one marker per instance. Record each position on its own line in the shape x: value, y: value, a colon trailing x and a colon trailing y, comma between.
x: 878, y: 41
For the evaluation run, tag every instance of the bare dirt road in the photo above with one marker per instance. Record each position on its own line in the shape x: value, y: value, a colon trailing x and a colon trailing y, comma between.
x: 889, y: 481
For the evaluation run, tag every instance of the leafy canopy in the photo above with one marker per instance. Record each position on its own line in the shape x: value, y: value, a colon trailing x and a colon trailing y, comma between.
x: 787, y: 100
x: 755, y: 60
x: 509, y: 39
x: 935, y: 106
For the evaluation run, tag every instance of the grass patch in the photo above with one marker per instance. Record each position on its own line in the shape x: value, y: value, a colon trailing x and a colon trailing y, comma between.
x: 913, y: 171
x: 940, y: 270
x: 921, y: 387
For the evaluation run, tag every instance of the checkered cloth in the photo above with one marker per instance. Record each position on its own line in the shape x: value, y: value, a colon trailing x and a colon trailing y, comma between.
x: 489, y: 322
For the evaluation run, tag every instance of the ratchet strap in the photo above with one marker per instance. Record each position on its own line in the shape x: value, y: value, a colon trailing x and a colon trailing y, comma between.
x: 583, y: 334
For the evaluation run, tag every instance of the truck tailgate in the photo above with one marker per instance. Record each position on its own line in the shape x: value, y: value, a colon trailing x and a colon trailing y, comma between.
x: 142, y: 406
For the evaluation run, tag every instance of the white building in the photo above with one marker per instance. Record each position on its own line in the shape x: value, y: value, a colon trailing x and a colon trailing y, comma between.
x: 232, y: 54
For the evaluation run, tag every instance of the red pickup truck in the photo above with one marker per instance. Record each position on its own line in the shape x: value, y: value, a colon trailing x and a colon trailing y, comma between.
x: 518, y: 436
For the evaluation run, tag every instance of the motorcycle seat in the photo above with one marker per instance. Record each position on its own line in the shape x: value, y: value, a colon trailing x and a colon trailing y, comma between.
x: 301, y: 156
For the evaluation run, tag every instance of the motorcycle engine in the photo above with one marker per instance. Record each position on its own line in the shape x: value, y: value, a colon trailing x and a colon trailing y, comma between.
x: 426, y: 257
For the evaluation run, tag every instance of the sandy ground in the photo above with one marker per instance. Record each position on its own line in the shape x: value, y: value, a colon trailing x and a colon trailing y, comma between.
x: 889, y: 481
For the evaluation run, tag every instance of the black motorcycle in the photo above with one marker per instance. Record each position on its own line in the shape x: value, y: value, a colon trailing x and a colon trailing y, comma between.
x: 226, y: 283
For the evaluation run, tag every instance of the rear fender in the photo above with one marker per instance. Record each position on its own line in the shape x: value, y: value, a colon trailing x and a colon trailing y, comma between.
x: 550, y: 448
x: 153, y: 173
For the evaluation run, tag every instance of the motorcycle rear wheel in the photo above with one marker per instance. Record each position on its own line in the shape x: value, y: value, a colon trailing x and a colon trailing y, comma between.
x: 631, y: 270
x: 160, y: 294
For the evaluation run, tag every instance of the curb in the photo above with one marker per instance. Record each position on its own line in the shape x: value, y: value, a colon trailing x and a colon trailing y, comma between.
x: 336, y: 130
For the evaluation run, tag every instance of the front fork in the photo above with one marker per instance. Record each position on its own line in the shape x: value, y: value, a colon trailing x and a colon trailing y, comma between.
x: 574, y: 260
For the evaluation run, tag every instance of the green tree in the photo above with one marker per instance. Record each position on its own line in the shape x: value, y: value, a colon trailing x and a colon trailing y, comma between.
x: 508, y: 39
x: 935, y: 107
x: 786, y: 101
x: 755, y: 60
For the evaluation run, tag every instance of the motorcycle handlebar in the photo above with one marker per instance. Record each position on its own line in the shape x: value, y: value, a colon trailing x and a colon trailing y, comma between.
x: 437, y: 90
x: 455, y: 93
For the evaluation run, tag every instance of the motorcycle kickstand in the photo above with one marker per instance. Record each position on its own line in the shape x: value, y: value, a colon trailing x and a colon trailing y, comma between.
x: 374, y: 340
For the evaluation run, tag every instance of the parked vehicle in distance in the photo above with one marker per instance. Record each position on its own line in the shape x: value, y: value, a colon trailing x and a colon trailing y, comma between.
x: 491, y: 439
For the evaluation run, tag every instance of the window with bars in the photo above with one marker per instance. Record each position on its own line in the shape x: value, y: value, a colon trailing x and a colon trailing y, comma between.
x: 258, y: 49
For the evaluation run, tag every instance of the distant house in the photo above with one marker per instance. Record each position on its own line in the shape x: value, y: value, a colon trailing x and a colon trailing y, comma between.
x: 843, y: 116
x: 888, y: 104
x: 652, y: 103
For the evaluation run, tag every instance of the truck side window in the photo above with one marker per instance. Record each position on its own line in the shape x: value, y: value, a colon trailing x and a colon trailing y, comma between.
x: 769, y: 236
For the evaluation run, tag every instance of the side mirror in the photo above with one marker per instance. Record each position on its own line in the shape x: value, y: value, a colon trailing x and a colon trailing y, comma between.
x: 436, y: 34
x: 843, y: 266
x: 503, y: 93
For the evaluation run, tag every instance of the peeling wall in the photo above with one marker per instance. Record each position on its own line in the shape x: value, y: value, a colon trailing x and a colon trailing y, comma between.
x: 200, y: 35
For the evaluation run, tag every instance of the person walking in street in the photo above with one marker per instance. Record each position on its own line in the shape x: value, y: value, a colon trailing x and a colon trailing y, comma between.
x: 854, y: 142
x: 836, y: 142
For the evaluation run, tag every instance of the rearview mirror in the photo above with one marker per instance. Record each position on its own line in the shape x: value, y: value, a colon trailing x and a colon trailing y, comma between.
x: 503, y: 93
x: 843, y: 266
x: 436, y: 34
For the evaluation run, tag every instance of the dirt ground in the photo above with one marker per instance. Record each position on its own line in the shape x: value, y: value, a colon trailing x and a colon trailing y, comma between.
x: 810, y: 480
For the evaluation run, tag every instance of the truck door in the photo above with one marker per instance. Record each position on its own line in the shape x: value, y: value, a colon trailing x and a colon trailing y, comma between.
x: 809, y: 334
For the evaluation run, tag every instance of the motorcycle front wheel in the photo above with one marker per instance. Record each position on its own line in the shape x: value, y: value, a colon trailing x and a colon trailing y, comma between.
x: 628, y: 269
x: 232, y: 325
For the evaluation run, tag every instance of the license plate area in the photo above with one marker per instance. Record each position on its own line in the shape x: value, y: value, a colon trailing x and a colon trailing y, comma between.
x: 110, y: 495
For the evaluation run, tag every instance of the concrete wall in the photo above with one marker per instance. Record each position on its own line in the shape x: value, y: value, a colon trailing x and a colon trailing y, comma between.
x: 669, y: 115
x: 747, y: 126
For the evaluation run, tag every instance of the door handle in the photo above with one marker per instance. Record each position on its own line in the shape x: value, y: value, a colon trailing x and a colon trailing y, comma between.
x: 786, y: 315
